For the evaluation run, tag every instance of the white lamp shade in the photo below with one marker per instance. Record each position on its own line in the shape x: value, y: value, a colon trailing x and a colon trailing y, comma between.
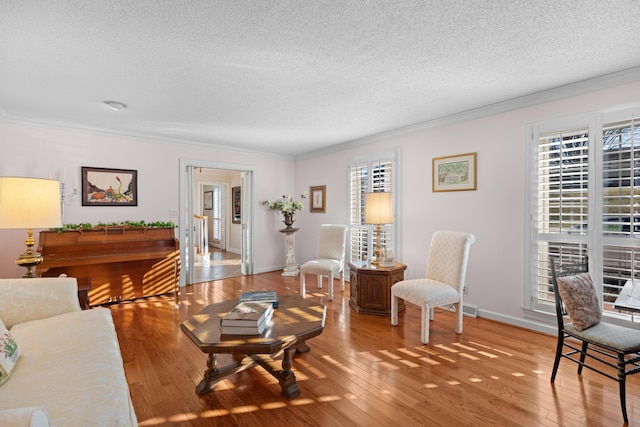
x: 378, y: 208
x: 29, y: 203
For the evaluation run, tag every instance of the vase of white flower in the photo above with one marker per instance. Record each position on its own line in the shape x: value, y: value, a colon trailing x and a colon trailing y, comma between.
x: 287, y: 206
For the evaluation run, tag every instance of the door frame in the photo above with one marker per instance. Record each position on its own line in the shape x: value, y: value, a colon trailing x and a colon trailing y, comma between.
x: 187, y: 210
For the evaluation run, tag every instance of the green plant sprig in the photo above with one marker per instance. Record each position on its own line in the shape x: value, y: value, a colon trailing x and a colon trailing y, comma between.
x: 89, y: 226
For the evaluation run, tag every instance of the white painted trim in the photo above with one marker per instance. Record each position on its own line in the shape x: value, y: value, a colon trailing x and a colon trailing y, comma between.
x: 545, y: 328
x: 64, y: 126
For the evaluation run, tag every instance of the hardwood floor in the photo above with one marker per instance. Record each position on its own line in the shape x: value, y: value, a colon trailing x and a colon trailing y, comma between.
x: 361, y: 371
x: 222, y: 265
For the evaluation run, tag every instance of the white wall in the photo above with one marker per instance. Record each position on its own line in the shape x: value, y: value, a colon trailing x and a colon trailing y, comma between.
x: 494, y: 213
x: 35, y: 151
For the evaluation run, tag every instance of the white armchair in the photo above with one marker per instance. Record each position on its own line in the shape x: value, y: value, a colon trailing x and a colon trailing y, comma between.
x: 444, y: 281
x: 332, y: 240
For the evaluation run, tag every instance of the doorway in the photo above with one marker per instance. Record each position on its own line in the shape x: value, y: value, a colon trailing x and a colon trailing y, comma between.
x: 215, y: 221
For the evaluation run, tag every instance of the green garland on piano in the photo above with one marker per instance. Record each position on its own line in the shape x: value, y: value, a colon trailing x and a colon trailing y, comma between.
x: 88, y: 226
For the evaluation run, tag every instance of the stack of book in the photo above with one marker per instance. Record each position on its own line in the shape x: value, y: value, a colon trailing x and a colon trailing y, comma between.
x: 247, y: 318
x: 260, y: 296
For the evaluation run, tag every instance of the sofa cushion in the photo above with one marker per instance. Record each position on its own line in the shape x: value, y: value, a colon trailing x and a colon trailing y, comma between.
x: 22, y: 300
x: 9, y: 353
x: 24, y: 417
x: 71, y: 366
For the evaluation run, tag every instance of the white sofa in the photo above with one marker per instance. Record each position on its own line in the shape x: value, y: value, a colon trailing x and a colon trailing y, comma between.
x: 69, y: 371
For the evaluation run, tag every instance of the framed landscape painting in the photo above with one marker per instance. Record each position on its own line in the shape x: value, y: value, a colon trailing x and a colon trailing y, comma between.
x: 109, y: 187
x: 454, y: 173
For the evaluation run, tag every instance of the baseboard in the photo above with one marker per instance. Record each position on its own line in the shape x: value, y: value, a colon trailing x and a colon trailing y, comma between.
x: 549, y: 329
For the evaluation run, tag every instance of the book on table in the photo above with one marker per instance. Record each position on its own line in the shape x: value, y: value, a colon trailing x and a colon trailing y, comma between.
x: 247, y: 329
x: 248, y: 314
x: 260, y: 296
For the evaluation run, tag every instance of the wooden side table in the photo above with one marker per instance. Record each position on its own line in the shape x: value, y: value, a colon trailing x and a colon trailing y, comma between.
x: 371, y: 287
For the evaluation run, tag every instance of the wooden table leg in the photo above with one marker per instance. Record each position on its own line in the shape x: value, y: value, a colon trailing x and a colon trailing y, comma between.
x: 283, y: 373
x: 286, y: 377
x: 213, y: 374
x: 210, y: 374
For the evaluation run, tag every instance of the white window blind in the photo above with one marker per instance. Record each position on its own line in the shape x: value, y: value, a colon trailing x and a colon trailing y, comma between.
x: 568, y: 221
x: 366, y: 177
x: 561, y: 206
x: 620, y: 205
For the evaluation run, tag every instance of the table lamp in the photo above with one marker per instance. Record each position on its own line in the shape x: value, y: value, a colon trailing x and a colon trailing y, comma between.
x: 27, y: 203
x: 378, y: 209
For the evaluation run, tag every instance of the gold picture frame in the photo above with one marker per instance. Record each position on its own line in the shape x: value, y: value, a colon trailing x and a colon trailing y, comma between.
x: 318, y: 198
x: 454, y: 173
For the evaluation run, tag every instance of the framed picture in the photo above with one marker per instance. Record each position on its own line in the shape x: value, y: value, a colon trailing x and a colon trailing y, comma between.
x: 235, y: 205
x: 208, y: 200
x: 454, y: 173
x: 109, y: 187
x: 318, y: 196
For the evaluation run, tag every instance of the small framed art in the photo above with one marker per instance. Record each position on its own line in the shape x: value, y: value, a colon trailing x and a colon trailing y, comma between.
x: 318, y: 195
x: 454, y: 173
x: 208, y: 200
x: 235, y: 205
x: 109, y: 187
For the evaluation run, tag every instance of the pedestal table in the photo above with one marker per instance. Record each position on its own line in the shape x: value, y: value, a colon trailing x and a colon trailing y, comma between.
x: 291, y: 268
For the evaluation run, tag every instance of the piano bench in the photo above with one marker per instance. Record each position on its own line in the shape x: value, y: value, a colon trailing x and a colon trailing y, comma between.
x: 84, y: 286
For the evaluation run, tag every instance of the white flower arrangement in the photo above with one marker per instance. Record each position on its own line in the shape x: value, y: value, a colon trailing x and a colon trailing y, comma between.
x: 286, y: 204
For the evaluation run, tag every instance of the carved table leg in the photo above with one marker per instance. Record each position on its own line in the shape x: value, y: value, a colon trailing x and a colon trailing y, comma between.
x: 211, y: 373
x: 286, y: 377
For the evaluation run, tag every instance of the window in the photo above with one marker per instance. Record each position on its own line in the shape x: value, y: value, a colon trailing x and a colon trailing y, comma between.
x: 561, y: 204
x: 217, y: 214
x: 364, y: 177
x: 584, y: 201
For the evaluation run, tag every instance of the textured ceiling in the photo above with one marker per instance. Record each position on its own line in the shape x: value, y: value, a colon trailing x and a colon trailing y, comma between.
x: 290, y: 77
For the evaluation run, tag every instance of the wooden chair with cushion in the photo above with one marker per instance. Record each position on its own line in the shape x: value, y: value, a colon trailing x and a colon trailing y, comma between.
x: 611, y: 346
x: 444, y: 281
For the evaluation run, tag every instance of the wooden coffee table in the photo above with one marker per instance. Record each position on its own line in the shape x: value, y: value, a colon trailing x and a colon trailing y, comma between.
x: 295, y: 321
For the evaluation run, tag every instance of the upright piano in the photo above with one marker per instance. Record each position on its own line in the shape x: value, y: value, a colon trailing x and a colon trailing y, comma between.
x: 122, y: 262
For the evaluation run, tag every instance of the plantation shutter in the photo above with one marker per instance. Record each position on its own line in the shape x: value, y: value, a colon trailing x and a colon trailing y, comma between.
x: 365, y: 177
x: 217, y: 214
x: 620, y: 205
x: 561, y: 206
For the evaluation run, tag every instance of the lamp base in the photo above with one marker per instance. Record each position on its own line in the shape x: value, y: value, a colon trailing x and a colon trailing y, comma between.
x: 29, y: 262
x: 30, y: 258
x: 377, y: 252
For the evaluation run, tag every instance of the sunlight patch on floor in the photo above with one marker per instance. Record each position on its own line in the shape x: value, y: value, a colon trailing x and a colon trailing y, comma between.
x: 299, y: 402
x: 331, y: 398
x: 244, y: 409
